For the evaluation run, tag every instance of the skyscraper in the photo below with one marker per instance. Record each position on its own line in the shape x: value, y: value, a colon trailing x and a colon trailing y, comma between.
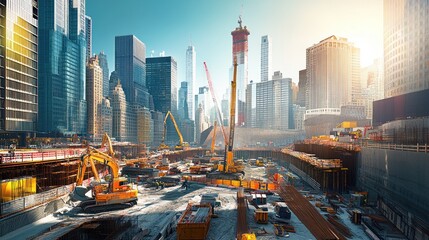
x: 62, y: 57
x: 119, y: 112
x: 88, y: 30
x: 251, y: 105
x: 266, y: 52
x: 130, y: 65
x: 18, y: 76
x: 94, y: 97
x: 183, y: 103
x: 240, y: 52
x: 162, y: 85
x: 102, y: 60
x: 274, y: 103
x: 302, y: 88
x: 191, y: 76
x: 406, y: 51
x: 333, y: 74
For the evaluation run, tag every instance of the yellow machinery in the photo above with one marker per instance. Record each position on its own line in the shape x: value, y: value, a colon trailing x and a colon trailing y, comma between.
x: 229, y: 170
x: 117, y: 194
x: 182, y: 145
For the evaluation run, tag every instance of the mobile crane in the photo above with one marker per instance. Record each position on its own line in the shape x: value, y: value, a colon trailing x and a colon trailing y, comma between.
x: 228, y: 170
x: 182, y: 145
x: 117, y: 194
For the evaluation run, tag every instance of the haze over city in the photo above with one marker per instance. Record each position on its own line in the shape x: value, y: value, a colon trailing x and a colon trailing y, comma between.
x: 293, y: 26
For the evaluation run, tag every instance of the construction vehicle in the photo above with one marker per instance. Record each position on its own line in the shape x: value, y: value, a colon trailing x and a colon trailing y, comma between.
x: 182, y: 145
x: 116, y: 194
x: 229, y: 170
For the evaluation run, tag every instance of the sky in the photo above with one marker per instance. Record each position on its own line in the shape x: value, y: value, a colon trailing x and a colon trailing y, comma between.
x: 293, y: 25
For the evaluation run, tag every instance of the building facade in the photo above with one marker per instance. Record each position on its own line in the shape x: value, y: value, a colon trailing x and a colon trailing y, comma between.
x: 88, y: 29
x: 94, y: 97
x: 240, y: 53
x: 119, y: 113
x: 106, y: 120
x: 19, y: 56
x: 191, y: 77
x: 333, y: 74
x: 406, y: 51
x: 183, y: 101
x: 130, y: 65
x: 144, y: 125
x: 62, y: 64
x: 102, y: 60
x: 302, y: 88
x: 266, y: 58
x: 274, y: 103
x: 251, y: 105
x: 298, y: 116
x: 162, y: 85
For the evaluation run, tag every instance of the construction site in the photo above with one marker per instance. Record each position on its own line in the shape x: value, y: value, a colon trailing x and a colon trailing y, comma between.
x: 320, y: 188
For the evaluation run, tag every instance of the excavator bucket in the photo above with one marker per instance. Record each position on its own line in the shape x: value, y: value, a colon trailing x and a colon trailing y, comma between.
x: 79, y: 194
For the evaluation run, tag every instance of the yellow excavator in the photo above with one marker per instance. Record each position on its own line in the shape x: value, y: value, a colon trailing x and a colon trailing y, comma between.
x: 229, y: 170
x: 116, y: 194
x: 182, y: 145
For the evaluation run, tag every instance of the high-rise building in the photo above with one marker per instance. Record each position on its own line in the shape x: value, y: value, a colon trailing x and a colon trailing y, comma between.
x: 183, y: 103
x: 113, y: 81
x: 62, y: 63
x: 144, y: 125
x: 266, y: 58
x: 158, y: 127
x: 102, y: 60
x: 106, y: 117
x: 191, y: 77
x: 298, y: 116
x: 240, y: 53
x: 274, y: 103
x: 119, y: 112
x: 18, y: 75
x: 372, y: 86
x: 203, y: 98
x: 251, y: 105
x: 94, y: 97
x: 88, y: 32
x: 162, y: 85
x: 333, y: 74
x: 302, y: 88
x: 130, y: 65
x: 406, y: 51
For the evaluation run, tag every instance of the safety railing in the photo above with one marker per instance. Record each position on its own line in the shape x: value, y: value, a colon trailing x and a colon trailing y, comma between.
x: 39, y: 156
x: 399, y: 147
x: 33, y: 200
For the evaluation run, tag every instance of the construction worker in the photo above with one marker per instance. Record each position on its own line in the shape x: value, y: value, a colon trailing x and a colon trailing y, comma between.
x: 162, y: 185
x: 157, y: 184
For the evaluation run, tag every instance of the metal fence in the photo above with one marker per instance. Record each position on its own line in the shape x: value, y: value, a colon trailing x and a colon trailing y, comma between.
x: 399, y: 147
x: 40, y: 156
x: 33, y: 200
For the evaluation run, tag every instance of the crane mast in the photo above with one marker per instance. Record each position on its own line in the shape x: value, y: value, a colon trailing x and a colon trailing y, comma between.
x: 229, y: 153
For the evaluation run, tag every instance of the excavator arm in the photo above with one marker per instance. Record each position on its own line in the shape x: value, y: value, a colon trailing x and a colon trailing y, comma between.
x: 175, y: 126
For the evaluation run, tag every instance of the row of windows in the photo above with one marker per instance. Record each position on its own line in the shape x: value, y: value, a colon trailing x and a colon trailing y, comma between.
x: 25, y: 42
x: 21, y: 126
x: 25, y: 33
x: 21, y: 77
x: 20, y: 115
x: 22, y: 59
x: 20, y: 49
x: 21, y: 96
x: 21, y: 68
x: 21, y: 105
x: 27, y: 26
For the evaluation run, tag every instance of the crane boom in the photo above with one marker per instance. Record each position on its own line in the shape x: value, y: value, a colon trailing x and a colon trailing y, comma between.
x: 219, y: 116
x: 212, y: 147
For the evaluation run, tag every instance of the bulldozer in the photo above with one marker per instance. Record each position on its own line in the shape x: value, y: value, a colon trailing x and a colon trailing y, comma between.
x: 116, y: 194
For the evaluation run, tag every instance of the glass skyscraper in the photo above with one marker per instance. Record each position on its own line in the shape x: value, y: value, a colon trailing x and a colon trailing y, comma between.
x: 130, y: 65
x: 102, y: 59
x: 18, y: 65
x: 62, y: 45
x: 162, y: 85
